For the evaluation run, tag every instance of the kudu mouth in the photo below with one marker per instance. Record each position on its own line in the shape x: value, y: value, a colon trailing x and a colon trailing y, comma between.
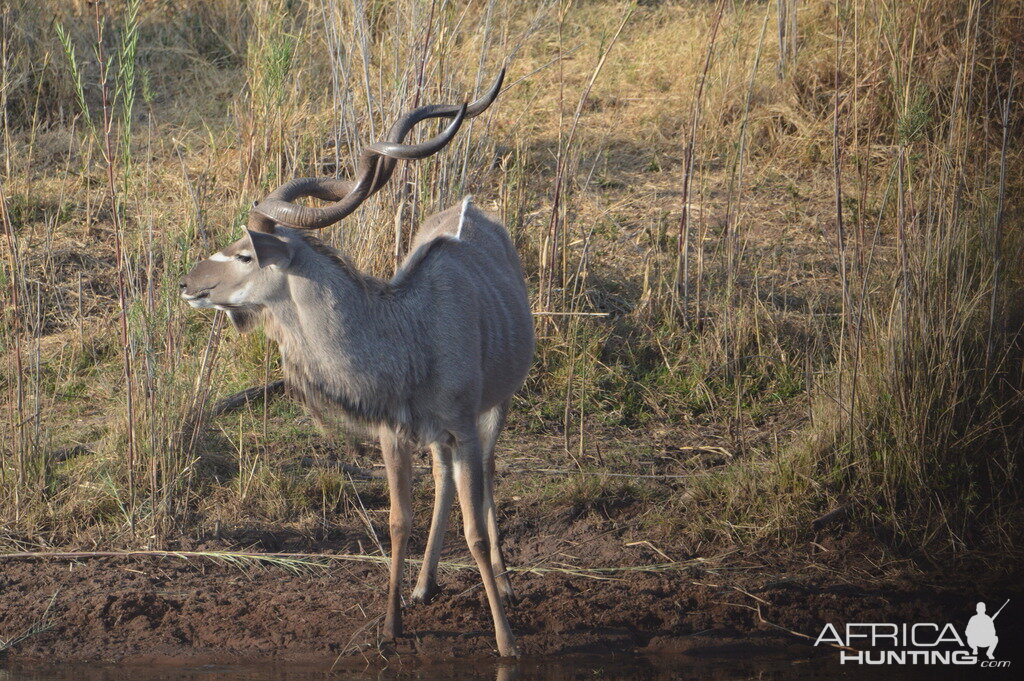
x: 198, y: 298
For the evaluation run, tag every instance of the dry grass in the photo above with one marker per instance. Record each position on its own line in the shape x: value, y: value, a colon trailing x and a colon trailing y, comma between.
x: 840, y: 312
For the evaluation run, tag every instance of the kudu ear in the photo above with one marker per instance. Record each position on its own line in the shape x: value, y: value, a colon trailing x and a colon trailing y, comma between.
x: 269, y: 249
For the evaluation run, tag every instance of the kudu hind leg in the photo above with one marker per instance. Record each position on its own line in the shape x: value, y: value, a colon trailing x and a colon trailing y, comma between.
x: 468, y: 465
x: 490, y: 426
x: 398, y: 464
x: 444, y: 492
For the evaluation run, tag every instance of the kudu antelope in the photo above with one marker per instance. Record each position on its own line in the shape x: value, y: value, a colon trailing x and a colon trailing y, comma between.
x: 430, y: 358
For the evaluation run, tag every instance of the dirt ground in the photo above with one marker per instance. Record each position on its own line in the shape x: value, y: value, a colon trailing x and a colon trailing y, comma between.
x: 739, y: 604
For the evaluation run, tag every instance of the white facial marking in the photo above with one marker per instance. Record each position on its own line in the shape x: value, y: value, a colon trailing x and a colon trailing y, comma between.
x: 220, y: 257
x: 238, y: 297
x: 197, y: 302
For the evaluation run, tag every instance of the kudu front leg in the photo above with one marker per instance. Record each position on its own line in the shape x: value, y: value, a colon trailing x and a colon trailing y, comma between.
x: 398, y: 464
x: 469, y: 480
x: 444, y: 492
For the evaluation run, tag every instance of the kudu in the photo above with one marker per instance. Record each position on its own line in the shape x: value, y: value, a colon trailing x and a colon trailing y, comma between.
x: 430, y: 358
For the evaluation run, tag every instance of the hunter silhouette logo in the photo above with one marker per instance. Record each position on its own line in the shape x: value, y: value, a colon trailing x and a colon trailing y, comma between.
x: 981, y: 631
x: 878, y: 643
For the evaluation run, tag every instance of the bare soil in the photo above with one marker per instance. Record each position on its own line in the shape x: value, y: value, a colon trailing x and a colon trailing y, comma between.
x: 742, y: 604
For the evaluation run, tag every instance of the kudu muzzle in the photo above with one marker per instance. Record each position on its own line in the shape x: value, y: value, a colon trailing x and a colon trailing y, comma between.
x: 197, y: 284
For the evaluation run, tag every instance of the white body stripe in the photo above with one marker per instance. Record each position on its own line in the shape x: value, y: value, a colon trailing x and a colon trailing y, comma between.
x: 462, y: 216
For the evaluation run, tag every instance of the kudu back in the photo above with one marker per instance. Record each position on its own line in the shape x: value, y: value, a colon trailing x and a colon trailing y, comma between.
x: 429, y: 358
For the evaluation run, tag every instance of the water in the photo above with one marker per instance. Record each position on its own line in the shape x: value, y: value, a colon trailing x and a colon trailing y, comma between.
x: 562, y: 668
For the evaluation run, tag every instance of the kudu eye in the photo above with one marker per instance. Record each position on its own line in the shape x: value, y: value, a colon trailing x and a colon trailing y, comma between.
x: 243, y: 258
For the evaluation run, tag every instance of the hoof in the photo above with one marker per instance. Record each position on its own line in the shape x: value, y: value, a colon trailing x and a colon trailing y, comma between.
x: 509, y: 599
x: 509, y: 650
x: 424, y: 595
x: 392, y: 630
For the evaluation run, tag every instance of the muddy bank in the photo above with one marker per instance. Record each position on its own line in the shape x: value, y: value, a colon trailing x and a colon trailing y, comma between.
x: 738, y: 604
x: 562, y: 668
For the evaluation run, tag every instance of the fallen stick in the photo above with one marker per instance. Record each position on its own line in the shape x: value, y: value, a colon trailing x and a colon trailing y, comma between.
x: 310, y: 560
x: 243, y: 398
x: 377, y: 472
x: 569, y: 471
x: 761, y: 618
x: 363, y: 473
x: 834, y: 516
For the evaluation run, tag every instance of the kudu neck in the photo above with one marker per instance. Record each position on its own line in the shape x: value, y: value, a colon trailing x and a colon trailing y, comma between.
x: 345, y: 338
x: 332, y: 309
